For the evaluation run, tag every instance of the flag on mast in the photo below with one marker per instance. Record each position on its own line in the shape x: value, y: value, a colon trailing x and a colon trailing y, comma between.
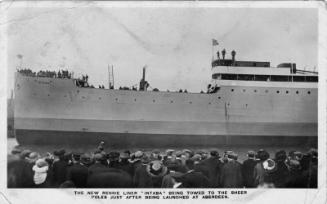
x: 214, y: 42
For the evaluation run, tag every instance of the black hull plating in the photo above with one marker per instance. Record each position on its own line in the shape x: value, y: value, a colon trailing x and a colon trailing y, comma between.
x: 125, y: 140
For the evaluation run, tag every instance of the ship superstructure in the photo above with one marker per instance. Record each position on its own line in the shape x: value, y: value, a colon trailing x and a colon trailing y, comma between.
x: 247, y: 102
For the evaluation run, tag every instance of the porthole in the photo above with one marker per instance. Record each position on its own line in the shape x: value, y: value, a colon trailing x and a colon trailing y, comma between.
x: 171, y: 101
x: 219, y: 97
x: 255, y: 90
x: 297, y: 92
x: 266, y: 91
x: 116, y: 99
x: 243, y: 90
x: 277, y: 91
x: 286, y: 92
x: 309, y: 92
x: 232, y: 90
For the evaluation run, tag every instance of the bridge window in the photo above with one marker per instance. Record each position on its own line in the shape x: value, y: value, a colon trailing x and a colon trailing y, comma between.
x: 229, y: 76
x: 279, y: 78
x: 312, y: 78
x: 261, y: 77
x: 298, y: 78
x: 245, y: 77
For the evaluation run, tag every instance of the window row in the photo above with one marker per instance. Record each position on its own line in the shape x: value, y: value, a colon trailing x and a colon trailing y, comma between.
x: 278, y: 91
x: 249, y: 77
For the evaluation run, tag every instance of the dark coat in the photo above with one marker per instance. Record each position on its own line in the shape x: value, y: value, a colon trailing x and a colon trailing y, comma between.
x: 126, y: 166
x: 20, y: 174
x: 247, y: 172
x: 204, y: 169
x: 112, y: 178
x: 135, y: 165
x: 78, y: 173
x: 175, y: 166
x: 59, y: 171
x: 143, y: 178
x: 97, y: 168
x: 296, y: 179
x: 281, y: 175
x: 231, y: 175
x: 193, y: 179
x: 311, y: 175
x: 259, y: 174
x: 213, y: 165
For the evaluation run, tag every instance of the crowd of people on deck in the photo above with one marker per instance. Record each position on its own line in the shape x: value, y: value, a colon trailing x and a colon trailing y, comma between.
x: 46, y: 73
x: 156, y: 169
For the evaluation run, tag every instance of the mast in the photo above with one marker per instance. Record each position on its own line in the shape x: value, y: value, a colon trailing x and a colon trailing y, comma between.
x: 111, y: 77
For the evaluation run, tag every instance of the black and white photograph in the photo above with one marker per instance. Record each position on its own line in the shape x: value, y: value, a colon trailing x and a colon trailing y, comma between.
x: 163, y: 96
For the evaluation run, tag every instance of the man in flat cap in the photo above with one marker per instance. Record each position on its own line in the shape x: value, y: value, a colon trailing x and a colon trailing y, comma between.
x: 231, y: 173
x: 213, y: 165
x: 77, y: 173
x: 98, y: 166
x: 248, y: 169
x: 59, y: 168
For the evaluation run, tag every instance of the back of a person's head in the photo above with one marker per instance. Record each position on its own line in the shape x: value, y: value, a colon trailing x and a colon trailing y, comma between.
x: 280, y: 156
x: 214, y: 153
x: 67, y: 184
x: 251, y: 154
x: 263, y: 155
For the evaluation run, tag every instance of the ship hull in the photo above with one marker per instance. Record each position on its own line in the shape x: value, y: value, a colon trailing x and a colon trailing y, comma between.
x: 128, y: 140
x: 55, y: 111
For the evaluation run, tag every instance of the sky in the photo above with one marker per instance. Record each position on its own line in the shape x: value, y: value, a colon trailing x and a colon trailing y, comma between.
x: 174, y: 43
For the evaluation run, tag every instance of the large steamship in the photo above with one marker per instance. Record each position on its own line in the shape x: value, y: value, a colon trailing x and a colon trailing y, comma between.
x: 247, y: 103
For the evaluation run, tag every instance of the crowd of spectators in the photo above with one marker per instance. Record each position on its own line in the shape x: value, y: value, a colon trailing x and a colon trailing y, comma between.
x: 47, y: 73
x: 157, y: 169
